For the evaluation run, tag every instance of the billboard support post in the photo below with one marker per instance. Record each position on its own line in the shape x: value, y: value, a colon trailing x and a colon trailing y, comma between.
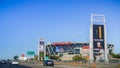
x: 41, y: 48
x: 106, y: 51
x: 91, y: 43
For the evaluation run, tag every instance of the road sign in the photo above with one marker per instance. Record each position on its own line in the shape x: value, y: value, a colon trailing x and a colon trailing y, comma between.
x: 30, y: 53
x: 46, y: 58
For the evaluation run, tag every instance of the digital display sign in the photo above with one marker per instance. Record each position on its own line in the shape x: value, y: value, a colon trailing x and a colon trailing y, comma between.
x: 59, y: 49
x: 98, y: 41
x: 41, y: 45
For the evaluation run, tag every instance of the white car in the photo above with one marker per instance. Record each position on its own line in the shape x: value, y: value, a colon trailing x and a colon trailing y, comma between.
x: 15, y: 62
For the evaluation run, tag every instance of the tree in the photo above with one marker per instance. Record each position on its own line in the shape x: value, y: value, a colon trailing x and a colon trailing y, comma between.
x: 41, y: 54
x: 54, y: 57
x: 115, y: 55
x: 77, y: 58
x: 15, y: 57
x: 35, y: 57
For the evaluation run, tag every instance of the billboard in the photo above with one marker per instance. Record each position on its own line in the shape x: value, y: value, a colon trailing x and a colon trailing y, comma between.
x: 59, y: 49
x: 41, y: 45
x: 85, y: 51
x: 98, y: 42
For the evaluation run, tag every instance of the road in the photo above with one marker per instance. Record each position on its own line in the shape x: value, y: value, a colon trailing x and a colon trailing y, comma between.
x: 7, y: 65
x: 38, y: 65
x: 28, y: 65
x: 32, y: 65
x: 55, y: 66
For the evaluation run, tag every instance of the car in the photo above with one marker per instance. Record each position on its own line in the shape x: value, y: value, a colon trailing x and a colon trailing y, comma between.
x: 84, y: 61
x: 48, y: 63
x: 14, y: 62
x: 3, y: 62
x: 9, y: 61
x: 114, y: 61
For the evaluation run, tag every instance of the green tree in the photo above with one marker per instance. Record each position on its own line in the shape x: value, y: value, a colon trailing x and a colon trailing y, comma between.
x: 15, y: 57
x: 115, y: 55
x: 54, y: 57
x: 41, y: 54
x: 77, y: 58
x: 35, y: 57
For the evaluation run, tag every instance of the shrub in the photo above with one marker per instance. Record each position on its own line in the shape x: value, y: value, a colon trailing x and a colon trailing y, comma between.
x: 77, y: 58
x: 54, y: 57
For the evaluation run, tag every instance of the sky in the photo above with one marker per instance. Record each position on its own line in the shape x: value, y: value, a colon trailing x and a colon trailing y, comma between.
x: 24, y: 22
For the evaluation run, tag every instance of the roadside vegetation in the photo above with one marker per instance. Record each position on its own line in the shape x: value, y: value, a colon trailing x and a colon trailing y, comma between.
x: 54, y: 57
x: 115, y: 55
x: 77, y: 58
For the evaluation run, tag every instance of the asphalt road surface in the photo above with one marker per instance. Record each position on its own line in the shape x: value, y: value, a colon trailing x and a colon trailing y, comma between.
x: 37, y: 65
x: 29, y: 65
x: 7, y: 65
x: 55, y: 66
x: 33, y: 65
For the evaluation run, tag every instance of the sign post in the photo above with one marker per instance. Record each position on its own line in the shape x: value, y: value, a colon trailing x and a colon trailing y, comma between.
x: 30, y: 54
x: 41, y: 49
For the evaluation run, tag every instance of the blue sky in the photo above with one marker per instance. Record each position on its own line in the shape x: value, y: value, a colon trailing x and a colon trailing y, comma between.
x: 23, y: 22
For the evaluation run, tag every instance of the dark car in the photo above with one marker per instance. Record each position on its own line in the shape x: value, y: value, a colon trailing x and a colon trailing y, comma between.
x: 84, y: 61
x: 48, y: 63
x: 3, y: 62
x: 114, y: 61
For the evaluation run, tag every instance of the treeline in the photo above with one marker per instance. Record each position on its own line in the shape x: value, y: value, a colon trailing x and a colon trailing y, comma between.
x: 115, y: 55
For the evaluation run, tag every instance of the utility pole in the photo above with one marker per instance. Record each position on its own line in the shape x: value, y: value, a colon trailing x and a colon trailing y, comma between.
x: 38, y: 52
x: 44, y: 52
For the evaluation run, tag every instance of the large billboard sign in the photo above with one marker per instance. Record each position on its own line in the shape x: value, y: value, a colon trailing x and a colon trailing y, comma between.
x: 41, y: 45
x: 98, y: 42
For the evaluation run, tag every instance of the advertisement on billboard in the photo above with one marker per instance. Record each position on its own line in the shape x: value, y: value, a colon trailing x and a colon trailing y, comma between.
x: 98, y: 42
x: 41, y: 46
x: 85, y: 51
x: 59, y: 49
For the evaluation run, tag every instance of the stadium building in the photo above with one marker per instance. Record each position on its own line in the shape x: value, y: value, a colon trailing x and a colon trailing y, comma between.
x: 66, y: 50
x: 97, y: 49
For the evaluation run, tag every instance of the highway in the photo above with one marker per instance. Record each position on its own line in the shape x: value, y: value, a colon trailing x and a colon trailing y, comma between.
x: 7, y: 65
x: 38, y: 65
x: 32, y: 65
x: 41, y: 66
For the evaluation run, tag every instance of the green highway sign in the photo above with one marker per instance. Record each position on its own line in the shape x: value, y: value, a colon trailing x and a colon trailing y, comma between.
x: 30, y: 53
x: 46, y: 58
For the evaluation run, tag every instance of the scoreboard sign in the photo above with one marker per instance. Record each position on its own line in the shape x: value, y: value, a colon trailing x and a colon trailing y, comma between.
x: 98, y: 42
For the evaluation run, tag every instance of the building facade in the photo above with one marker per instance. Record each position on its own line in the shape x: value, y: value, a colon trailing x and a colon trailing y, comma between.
x: 71, y: 48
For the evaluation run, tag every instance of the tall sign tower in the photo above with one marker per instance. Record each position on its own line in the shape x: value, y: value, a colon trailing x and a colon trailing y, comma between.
x: 98, y: 45
x: 41, y: 48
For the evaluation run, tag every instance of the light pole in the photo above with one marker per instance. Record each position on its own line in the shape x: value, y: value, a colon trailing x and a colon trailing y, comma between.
x: 38, y: 52
x: 44, y: 52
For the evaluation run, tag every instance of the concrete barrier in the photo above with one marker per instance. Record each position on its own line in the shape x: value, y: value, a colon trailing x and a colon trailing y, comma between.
x: 93, y: 65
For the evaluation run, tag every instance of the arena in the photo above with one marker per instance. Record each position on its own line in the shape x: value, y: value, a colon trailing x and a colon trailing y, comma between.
x: 66, y: 50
